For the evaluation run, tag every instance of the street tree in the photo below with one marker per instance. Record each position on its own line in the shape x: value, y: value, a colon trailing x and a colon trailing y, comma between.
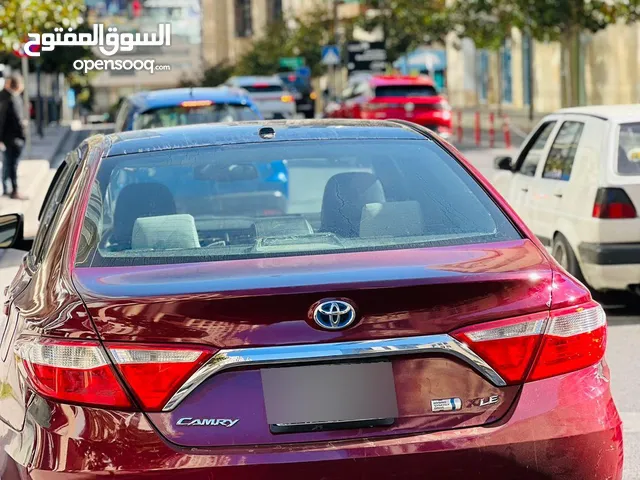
x: 211, y: 77
x: 18, y: 18
x: 490, y: 22
x: 407, y: 24
x: 299, y: 36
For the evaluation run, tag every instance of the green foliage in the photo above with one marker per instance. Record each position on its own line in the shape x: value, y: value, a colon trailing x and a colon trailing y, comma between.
x: 21, y: 17
x: 264, y: 54
x: 304, y: 39
x: 489, y: 22
x: 409, y: 23
x: 211, y: 77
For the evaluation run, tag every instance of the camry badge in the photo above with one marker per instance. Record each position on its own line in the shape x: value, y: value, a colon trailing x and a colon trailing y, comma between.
x: 214, y: 422
x: 334, y: 315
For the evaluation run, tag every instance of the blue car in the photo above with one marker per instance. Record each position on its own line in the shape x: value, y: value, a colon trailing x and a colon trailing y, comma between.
x: 243, y: 188
x: 184, y: 106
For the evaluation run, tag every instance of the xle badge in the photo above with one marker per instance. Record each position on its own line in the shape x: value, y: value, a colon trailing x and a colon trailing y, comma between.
x: 446, y: 405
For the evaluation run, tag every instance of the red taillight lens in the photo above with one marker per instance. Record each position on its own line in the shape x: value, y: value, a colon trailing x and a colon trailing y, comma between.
x: 574, y: 338
x: 168, y: 367
x: 508, y: 345
x: 71, y: 372
x: 80, y: 372
x: 613, y: 203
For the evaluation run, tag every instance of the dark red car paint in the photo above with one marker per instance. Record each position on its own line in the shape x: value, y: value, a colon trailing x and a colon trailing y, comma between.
x: 562, y: 427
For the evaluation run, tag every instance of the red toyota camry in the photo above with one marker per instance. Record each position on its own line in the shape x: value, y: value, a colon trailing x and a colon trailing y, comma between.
x: 395, y: 319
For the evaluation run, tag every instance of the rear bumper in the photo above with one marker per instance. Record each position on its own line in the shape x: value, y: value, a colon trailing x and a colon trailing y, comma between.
x: 562, y: 428
x: 610, y: 253
x: 610, y: 266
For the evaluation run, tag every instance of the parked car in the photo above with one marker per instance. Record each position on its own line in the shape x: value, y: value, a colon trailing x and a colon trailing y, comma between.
x: 184, y: 106
x: 383, y: 97
x: 400, y: 322
x: 576, y: 183
x: 187, y: 106
x: 270, y: 95
x: 303, y: 91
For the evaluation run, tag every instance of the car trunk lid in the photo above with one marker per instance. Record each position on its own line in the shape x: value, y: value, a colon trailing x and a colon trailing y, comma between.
x: 260, y: 307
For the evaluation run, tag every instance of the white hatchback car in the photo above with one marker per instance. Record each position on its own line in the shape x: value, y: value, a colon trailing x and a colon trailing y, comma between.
x: 576, y: 183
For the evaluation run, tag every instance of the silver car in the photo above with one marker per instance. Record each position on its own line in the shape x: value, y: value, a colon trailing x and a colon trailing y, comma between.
x: 269, y: 94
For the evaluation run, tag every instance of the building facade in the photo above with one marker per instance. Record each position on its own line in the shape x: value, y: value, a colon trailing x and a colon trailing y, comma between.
x: 229, y: 26
x: 183, y: 56
x: 524, y: 71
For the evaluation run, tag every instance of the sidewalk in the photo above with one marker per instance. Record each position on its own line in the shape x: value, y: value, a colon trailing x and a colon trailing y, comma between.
x: 34, y: 176
x: 519, y: 125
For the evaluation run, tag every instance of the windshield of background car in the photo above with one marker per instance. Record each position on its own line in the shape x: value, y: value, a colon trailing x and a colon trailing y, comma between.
x: 629, y: 149
x: 180, y: 115
x: 283, y: 198
x: 406, y: 91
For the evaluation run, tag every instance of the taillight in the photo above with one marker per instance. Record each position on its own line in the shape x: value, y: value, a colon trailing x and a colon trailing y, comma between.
x: 72, y: 371
x: 286, y: 98
x: 576, y: 338
x: 540, y: 346
x: 196, y: 103
x: 613, y: 203
x: 169, y: 368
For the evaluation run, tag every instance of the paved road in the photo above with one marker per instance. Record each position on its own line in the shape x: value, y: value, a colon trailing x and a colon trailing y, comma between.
x: 623, y: 354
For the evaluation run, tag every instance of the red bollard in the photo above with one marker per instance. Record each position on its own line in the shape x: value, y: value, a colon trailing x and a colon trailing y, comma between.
x: 492, y: 130
x: 507, y: 131
x: 460, y: 126
x: 477, y: 128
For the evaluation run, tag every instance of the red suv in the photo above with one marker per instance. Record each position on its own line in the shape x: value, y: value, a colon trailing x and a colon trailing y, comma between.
x: 412, y: 98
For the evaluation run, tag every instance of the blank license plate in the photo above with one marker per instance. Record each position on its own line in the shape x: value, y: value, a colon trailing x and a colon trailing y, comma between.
x: 319, y: 397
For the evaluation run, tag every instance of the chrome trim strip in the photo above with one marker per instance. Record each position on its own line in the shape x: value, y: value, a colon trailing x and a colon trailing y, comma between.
x: 323, y: 352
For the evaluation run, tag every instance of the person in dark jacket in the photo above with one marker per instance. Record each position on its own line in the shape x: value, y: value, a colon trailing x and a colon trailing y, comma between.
x: 12, y: 133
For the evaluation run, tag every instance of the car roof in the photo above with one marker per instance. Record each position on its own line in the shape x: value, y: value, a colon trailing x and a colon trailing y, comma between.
x: 250, y: 80
x: 174, y: 96
x: 390, y: 80
x: 247, y: 132
x: 614, y: 113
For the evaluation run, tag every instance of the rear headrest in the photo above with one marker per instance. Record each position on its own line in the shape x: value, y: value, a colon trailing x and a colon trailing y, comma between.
x: 136, y: 201
x: 165, y: 232
x: 395, y: 219
x: 344, y: 197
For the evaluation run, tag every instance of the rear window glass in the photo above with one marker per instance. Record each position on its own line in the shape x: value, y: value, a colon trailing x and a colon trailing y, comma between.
x: 263, y: 88
x: 629, y: 149
x: 406, y: 91
x: 283, y: 198
x: 179, y: 115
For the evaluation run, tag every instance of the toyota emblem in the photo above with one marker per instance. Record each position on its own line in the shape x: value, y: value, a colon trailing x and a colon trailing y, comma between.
x: 334, y: 315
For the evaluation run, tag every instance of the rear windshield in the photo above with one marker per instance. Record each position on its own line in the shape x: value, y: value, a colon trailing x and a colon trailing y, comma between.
x: 629, y: 149
x: 283, y: 198
x: 406, y: 91
x: 263, y: 88
x: 179, y: 115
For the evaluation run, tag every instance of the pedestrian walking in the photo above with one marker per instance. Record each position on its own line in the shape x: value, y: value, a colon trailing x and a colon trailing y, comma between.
x: 12, y: 133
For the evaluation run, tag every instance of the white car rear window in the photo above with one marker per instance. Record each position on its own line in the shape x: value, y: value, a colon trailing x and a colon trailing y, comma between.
x: 629, y: 149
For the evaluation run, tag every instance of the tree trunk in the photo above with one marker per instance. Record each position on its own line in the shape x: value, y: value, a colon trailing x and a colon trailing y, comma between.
x: 572, y: 81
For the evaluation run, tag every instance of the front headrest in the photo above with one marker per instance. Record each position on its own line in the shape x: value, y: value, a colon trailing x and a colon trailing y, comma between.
x: 165, y: 232
x: 344, y: 197
x: 136, y: 201
x: 392, y: 219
